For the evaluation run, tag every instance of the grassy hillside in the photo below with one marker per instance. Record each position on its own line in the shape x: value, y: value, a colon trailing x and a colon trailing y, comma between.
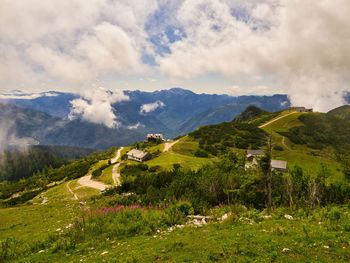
x: 319, y: 131
x: 310, y: 159
x: 217, y: 139
x: 342, y: 112
x: 150, y: 215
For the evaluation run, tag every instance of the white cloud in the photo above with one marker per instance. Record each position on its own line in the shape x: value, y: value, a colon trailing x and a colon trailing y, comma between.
x: 150, y: 107
x: 18, y: 94
x: 96, y: 107
x: 303, y: 44
x: 135, y: 126
x: 253, y: 90
x: 71, y: 41
x: 8, y: 137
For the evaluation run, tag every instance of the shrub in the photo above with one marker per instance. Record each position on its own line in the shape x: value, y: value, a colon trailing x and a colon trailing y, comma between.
x: 201, y: 153
x: 185, y: 207
x: 154, y: 168
x: 174, y: 216
x: 278, y: 148
x: 334, y: 214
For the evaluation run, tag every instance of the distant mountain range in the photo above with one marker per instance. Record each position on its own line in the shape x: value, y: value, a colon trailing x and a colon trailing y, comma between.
x: 44, y: 116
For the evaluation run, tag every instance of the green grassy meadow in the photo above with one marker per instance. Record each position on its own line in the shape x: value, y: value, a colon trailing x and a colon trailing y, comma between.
x: 246, y: 237
x: 106, y: 176
x: 71, y: 223
x: 38, y: 219
x: 309, y: 159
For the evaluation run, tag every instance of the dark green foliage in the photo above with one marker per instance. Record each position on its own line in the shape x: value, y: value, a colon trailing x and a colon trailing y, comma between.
x: 22, y: 198
x: 228, y: 182
x: 98, y: 171
x: 217, y: 139
x: 203, y: 188
x: 250, y: 113
x: 201, y: 153
x: 72, y: 170
x: 278, y: 148
x: 17, y: 164
x: 322, y: 130
x: 342, y: 112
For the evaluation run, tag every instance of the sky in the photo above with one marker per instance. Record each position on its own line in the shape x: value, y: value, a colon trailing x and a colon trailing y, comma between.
x: 297, y: 47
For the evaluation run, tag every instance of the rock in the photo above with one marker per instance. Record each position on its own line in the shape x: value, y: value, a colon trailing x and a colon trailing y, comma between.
x: 289, y: 217
x: 285, y: 249
x: 224, y: 217
x: 69, y: 225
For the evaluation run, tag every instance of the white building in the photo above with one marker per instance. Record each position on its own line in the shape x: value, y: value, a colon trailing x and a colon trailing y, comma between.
x: 278, y: 165
x: 155, y: 136
x: 138, y: 155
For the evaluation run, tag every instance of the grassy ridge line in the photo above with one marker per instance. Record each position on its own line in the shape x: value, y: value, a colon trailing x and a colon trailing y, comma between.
x: 310, y: 160
x: 276, y: 119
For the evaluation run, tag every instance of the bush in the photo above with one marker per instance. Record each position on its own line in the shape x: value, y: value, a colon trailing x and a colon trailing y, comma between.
x: 174, y: 216
x: 154, y: 168
x: 201, y: 153
x: 99, y: 170
x: 334, y: 214
x: 185, y: 207
x: 278, y: 148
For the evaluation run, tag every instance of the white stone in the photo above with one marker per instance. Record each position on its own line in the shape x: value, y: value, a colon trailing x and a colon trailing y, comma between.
x: 289, y: 217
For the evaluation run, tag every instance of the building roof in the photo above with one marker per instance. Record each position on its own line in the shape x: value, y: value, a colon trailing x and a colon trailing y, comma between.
x: 278, y: 164
x: 255, y: 152
x: 137, y: 153
x: 154, y: 135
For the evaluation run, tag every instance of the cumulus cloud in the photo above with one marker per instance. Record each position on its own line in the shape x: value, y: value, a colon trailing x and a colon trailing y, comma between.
x: 303, y: 44
x: 71, y: 41
x: 96, y: 107
x: 150, y: 107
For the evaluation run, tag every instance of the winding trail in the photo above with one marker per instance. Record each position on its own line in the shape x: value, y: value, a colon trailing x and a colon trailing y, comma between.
x: 117, y: 156
x: 71, y: 191
x: 168, y: 145
x: 115, y: 173
x: 88, y: 182
x: 273, y: 120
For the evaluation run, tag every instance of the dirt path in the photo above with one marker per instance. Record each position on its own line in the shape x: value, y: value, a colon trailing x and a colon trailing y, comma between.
x: 88, y: 182
x: 117, y: 156
x: 115, y: 173
x: 284, y: 142
x: 71, y: 191
x: 272, y: 121
x: 168, y: 145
